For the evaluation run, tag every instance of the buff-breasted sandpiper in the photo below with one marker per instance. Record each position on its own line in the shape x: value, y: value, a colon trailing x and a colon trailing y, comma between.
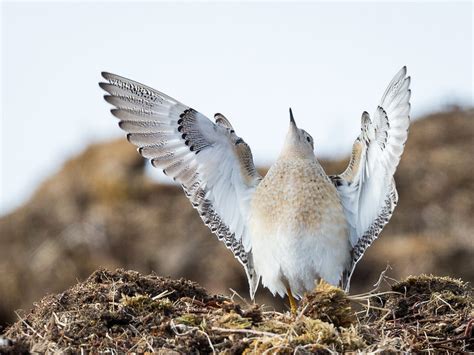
x: 295, y: 226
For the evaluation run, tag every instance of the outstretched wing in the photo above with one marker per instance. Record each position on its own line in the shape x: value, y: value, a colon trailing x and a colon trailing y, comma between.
x: 213, y: 165
x: 367, y: 187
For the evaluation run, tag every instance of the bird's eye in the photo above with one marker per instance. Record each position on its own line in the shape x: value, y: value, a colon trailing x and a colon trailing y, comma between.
x: 308, y: 139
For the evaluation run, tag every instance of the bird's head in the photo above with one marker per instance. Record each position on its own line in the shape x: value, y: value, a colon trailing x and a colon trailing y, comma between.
x: 298, y: 142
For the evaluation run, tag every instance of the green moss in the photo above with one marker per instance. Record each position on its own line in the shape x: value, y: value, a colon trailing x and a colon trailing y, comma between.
x: 189, y: 319
x: 268, y: 346
x: 315, y: 331
x: 428, y: 284
x: 447, y: 301
x: 350, y: 339
x: 274, y: 326
x: 142, y: 303
x: 234, y: 321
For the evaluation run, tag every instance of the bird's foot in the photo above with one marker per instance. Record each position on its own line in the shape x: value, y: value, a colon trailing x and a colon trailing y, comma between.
x: 293, y: 304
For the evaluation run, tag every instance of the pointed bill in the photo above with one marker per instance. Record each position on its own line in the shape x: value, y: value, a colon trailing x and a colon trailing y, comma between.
x: 292, y: 119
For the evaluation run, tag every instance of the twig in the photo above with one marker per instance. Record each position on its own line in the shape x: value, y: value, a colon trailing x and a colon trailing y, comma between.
x: 29, y: 326
x: 450, y: 340
x: 452, y: 350
x: 191, y: 329
x: 468, y: 330
x: 364, y: 296
x: 235, y: 293
x: 446, y: 303
x: 382, y: 276
x: 276, y: 348
x: 56, y: 319
x: 245, y: 331
x: 162, y: 294
x: 369, y: 307
x: 208, y: 339
x: 144, y: 338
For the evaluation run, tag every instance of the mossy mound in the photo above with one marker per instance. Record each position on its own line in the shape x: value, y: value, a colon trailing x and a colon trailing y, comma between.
x: 424, y: 313
x: 124, y: 311
x: 329, y: 304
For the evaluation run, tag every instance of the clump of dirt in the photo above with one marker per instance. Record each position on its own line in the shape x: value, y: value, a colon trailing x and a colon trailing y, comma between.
x: 124, y: 311
x: 330, y: 304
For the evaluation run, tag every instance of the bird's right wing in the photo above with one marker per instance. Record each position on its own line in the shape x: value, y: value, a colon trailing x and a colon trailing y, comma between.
x: 367, y: 188
x: 214, y: 166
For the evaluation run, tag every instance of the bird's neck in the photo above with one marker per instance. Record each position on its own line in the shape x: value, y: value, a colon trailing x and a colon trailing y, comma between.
x: 296, y: 152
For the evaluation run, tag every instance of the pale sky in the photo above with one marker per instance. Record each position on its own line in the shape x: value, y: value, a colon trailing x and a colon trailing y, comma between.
x: 329, y: 61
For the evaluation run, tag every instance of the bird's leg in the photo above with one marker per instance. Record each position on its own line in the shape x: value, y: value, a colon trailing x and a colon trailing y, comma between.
x: 293, y: 305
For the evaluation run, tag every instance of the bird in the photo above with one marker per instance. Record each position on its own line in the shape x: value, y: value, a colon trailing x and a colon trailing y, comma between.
x: 295, y: 226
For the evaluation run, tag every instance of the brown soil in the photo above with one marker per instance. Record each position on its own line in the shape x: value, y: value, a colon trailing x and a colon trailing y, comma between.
x: 124, y: 311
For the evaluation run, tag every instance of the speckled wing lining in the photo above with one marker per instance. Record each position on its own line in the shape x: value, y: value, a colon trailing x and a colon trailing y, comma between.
x: 367, y: 188
x: 213, y: 165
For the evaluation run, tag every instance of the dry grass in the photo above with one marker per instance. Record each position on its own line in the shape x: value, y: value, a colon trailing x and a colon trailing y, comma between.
x: 419, y: 314
x: 124, y: 311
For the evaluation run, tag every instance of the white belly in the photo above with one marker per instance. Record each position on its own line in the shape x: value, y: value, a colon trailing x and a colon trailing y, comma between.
x: 298, y: 261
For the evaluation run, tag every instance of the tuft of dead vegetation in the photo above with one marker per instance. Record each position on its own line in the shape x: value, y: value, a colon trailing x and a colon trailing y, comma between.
x: 329, y: 304
x: 125, y: 311
x: 422, y: 313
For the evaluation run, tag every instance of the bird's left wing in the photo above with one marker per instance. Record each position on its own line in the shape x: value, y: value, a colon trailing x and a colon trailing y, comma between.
x: 367, y: 188
x: 213, y: 165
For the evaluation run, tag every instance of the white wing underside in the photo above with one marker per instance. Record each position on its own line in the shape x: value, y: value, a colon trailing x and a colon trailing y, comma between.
x: 213, y: 165
x: 367, y: 187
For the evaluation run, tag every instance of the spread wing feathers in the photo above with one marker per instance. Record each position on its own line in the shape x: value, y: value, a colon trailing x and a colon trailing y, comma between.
x: 214, y: 166
x: 367, y: 187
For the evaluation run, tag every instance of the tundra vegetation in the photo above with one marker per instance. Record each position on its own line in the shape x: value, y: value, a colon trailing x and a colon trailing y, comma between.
x: 123, y: 311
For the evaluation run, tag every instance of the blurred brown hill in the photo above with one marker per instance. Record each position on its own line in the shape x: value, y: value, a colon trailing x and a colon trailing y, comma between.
x: 101, y: 210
